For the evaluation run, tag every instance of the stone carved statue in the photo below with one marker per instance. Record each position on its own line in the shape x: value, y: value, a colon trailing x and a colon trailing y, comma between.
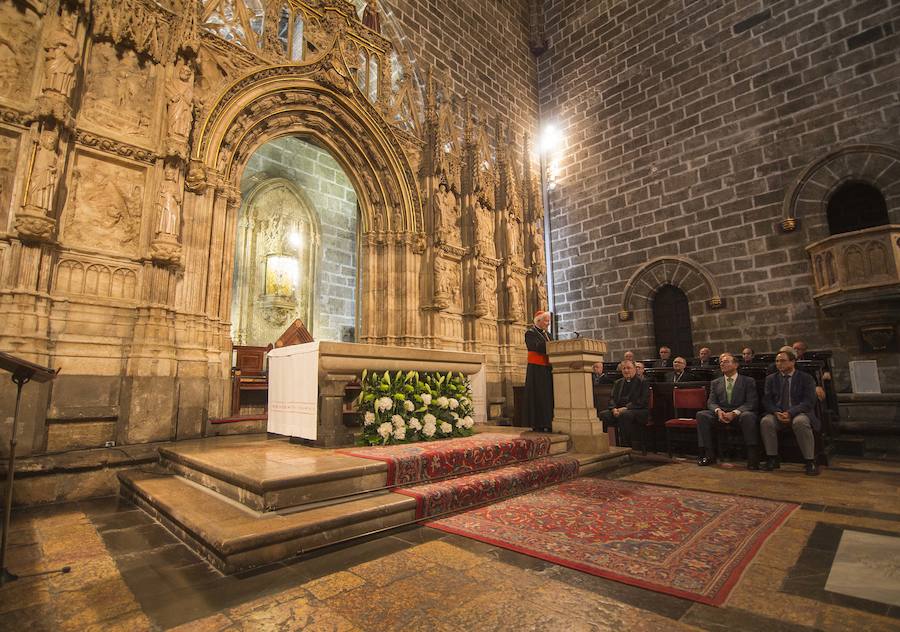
x: 536, y: 234
x: 446, y: 283
x: 540, y: 290
x: 371, y: 17
x: 447, y: 223
x: 486, y: 293
x: 169, y: 220
x: 180, y: 104
x: 44, y: 171
x: 61, y: 55
x: 484, y: 231
x: 514, y: 236
x: 516, y: 299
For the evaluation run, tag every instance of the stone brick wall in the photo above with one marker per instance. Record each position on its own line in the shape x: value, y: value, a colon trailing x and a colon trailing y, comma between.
x: 333, y: 198
x: 686, y: 125
x: 482, y: 48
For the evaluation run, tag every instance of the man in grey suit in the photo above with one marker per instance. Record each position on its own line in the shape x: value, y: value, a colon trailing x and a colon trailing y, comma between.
x: 790, y: 400
x: 732, y: 399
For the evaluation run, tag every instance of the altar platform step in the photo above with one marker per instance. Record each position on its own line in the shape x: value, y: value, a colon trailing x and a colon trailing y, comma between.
x: 272, y: 474
x: 234, y: 537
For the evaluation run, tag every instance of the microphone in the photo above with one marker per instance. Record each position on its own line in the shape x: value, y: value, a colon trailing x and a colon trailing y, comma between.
x: 577, y: 335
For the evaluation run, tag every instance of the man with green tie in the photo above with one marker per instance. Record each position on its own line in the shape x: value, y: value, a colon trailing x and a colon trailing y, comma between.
x: 732, y: 399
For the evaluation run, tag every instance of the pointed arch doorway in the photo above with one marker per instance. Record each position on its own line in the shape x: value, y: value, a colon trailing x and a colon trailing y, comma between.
x: 296, y: 248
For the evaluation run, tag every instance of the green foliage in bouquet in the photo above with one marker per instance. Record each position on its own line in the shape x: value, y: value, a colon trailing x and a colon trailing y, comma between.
x: 407, y: 407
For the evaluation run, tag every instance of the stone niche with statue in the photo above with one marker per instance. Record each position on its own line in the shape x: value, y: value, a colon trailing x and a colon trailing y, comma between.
x: 124, y: 134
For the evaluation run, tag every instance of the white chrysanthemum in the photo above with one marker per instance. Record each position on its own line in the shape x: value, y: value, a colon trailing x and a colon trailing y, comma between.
x: 454, y: 404
x: 409, y: 406
x: 426, y: 399
x: 369, y: 418
x: 385, y: 403
x: 446, y: 428
x: 415, y: 424
x: 385, y: 430
x: 397, y: 420
x: 469, y: 421
x: 400, y: 433
x: 442, y: 401
x: 428, y: 430
x: 429, y: 419
x: 460, y: 423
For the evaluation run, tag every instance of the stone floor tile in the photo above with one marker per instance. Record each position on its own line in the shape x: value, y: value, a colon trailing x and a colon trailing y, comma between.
x: 331, y: 585
x: 215, y: 623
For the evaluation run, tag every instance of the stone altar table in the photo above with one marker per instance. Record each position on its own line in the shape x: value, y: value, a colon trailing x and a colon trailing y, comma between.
x: 573, y: 395
x: 307, y: 384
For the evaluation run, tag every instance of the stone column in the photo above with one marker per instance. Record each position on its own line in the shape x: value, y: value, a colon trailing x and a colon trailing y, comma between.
x: 574, y: 413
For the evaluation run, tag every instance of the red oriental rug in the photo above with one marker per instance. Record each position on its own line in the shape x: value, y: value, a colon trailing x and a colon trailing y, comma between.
x: 455, y: 494
x: 430, y: 460
x: 685, y: 543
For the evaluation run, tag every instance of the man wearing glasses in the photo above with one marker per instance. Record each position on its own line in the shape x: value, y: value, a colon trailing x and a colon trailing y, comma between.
x: 789, y: 401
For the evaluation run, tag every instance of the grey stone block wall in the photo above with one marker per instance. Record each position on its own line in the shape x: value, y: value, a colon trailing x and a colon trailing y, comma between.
x: 686, y: 125
x: 333, y: 198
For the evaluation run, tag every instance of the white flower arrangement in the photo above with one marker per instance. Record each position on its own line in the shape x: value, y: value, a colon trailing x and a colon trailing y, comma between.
x: 397, y: 407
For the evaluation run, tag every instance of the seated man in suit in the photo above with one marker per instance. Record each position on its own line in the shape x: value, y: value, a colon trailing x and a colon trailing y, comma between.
x: 664, y: 361
x: 706, y: 359
x: 732, y: 399
x: 800, y: 348
x: 789, y: 400
x: 639, y: 370
x: 628, y: 404
x: 680, y: 374
x: 747, y: 355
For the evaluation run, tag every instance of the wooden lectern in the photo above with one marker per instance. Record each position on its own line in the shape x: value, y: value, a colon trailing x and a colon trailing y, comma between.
x: 23, y: 372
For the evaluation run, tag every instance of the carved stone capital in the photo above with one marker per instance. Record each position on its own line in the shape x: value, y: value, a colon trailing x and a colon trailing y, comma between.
x: 33, y: 225
x: 55, y: 106
x: 165, y: 250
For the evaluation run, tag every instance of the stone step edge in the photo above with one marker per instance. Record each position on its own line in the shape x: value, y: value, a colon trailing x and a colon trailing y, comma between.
x: 230, y: 485
x: 291, y: 525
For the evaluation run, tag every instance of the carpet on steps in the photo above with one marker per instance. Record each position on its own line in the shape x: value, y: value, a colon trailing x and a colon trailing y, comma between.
x: 463, y: 492
x: 411, y: 463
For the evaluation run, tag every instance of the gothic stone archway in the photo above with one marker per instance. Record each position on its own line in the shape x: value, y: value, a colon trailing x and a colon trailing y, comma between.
x: 316, y: 101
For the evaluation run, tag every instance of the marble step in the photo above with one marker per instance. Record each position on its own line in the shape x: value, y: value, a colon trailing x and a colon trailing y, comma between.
x: 233, y: 537
x: 272, y: 474
x: 593, y: 463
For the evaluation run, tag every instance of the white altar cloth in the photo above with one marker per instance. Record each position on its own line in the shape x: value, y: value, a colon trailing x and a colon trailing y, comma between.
x: 294, y: 390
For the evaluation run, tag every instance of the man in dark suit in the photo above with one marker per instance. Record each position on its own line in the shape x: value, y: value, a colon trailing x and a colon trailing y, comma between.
x: 789, y: 400
x: 680, y: 374
x: 705, y: 358
x: 665, y: 355
x: 732, y: 399
x: 747, y: 355
x: 628, y: 404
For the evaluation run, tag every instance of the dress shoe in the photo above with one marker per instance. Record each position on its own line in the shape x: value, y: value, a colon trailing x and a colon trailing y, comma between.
x: 705, y: 460
x: 812, y: 469
x: 772, y: 463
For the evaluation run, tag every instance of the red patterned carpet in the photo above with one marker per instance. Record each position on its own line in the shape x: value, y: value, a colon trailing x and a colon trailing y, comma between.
x: 434, y: 499
x: 426, y: 461
x: 684, y: 543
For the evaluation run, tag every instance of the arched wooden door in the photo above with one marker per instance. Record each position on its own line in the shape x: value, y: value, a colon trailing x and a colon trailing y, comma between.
x: 672, y: 321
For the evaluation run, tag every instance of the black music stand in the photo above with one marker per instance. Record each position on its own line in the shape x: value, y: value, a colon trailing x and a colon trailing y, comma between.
x: 23, y: 372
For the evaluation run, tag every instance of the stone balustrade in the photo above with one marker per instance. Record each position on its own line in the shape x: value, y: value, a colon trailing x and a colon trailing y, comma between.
x: 857, y: 267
